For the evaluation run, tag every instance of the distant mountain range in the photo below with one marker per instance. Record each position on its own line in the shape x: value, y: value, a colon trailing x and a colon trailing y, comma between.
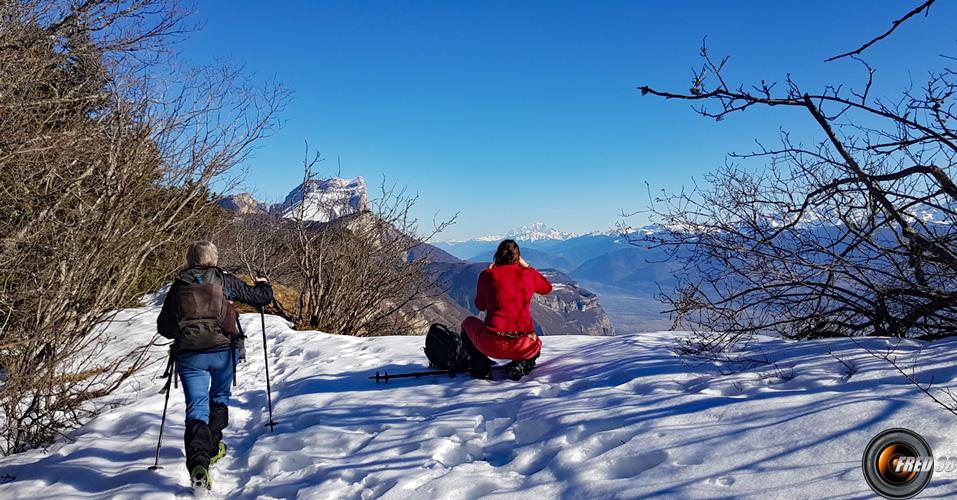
x: 536, y: 235
x: 547, y: 247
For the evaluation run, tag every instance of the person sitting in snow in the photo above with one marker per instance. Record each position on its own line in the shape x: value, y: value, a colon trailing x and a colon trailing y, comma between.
x: 198, y: 316
x: 505, y: 292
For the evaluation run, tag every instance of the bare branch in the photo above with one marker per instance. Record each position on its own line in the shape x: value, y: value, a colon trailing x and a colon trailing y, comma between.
x: 924, y: 7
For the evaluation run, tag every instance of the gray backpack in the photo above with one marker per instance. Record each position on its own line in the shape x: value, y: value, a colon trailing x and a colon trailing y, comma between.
x: 207, y: 319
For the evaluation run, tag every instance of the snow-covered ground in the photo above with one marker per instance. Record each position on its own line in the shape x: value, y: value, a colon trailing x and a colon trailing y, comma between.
x: 602, y: 417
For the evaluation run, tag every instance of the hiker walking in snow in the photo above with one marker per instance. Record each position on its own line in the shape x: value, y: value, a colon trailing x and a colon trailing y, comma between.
x: 198, y: 316
x: 505, y: 292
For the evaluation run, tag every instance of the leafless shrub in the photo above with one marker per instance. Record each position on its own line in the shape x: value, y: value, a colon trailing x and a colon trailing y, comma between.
x: 849, y: 370
x: 105, y: 166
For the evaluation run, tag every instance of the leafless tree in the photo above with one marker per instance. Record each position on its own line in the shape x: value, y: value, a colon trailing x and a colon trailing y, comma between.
x: 107, y: 154
x: 259, y: 244
x: 852, y: 235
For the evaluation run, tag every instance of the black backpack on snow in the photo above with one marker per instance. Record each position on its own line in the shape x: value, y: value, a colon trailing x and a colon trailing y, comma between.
x: 444, y: 349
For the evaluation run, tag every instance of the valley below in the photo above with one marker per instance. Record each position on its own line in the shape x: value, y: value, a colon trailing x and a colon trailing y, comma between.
x: 630, y: 311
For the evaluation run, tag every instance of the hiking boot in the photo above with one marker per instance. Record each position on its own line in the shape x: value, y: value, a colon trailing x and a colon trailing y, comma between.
x: 515, y: 370
x: 220, y: 454
x: 529, y: 364
x: 199, y: 478
x: 518, y: 369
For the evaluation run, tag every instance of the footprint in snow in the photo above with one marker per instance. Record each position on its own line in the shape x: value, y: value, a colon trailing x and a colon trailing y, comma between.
x: 441, y: 431
x: 722, y: 481
x: 604, y: 442
x: 695, y: 458
x: 630, y: 466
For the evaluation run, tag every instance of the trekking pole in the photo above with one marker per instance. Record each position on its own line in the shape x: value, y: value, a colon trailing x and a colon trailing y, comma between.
x: 234, y: 346
x: 262, y: 316
x: 169, y: 374
x: 232, y: 354
x: 385, y: 376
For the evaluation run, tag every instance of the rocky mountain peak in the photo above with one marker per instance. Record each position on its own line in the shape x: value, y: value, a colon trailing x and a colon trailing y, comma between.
x: 321, y: 200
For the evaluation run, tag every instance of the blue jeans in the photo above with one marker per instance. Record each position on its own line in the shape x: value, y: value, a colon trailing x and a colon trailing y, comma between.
x: 206, y: 376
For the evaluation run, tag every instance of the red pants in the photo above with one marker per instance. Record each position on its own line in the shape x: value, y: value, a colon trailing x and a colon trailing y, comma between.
x: 499, y: 346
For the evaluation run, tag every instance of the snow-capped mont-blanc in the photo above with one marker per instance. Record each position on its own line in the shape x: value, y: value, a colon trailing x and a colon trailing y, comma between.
x: 538, y: 232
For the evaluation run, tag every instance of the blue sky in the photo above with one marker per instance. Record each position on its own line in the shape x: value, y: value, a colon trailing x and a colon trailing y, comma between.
x: 516, y: 112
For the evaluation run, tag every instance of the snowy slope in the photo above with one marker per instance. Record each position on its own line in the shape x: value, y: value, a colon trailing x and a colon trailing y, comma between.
x: 607, y: 417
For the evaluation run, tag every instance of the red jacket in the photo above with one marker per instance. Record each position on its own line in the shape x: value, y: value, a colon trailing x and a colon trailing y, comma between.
x: 505, y: 294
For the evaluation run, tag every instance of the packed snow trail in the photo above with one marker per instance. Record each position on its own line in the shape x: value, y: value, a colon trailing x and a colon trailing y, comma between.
x: 601, y: 417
